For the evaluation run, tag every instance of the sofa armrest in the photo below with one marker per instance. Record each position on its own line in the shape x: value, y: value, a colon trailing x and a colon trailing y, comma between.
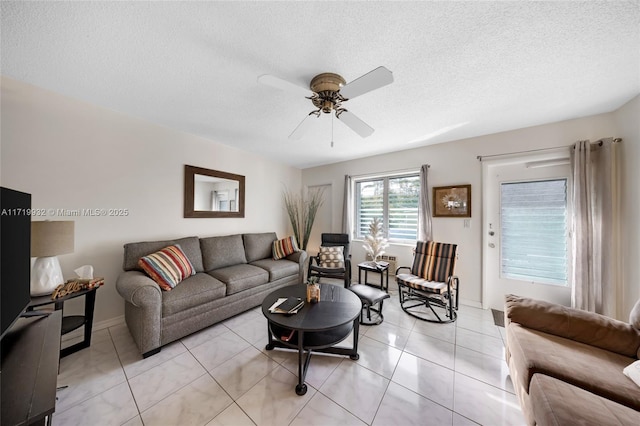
x: 138, y: 289
x: 300, y: 257
x: 581, y: 326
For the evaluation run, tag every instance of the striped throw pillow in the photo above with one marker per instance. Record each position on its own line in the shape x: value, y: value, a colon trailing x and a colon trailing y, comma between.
x: 284, y: 247
x: 332, y: 257
x: 167, y: 267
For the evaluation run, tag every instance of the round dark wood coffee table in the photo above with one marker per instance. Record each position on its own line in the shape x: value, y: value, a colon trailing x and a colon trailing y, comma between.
x: 317, y: 327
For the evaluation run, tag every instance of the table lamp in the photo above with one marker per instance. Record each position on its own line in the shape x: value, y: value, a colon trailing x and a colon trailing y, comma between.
x: 49, y: 239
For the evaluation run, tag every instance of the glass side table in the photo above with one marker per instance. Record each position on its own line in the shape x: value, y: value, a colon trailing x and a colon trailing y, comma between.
x: 71, y: 322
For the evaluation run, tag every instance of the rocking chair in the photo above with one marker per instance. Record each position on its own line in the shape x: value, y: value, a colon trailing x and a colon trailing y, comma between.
x: 431, y: 283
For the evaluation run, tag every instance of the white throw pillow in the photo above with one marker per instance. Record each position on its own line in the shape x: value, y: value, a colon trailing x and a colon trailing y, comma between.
x: 634, y: 317
x: 332, y: 257
x: 633, y: 372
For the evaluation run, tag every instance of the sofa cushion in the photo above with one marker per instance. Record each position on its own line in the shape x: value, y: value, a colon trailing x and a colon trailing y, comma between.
x: 220, y: 252
x: 284, y: 247
x: 575, y: 324
x: 278, y: 268
x: 591, y: 368
x: 167, y: 267
x: 134, y: 251
x: 194, y: 291
x: 558, y: 403
x: 240, y: 277
x: 258, y: 246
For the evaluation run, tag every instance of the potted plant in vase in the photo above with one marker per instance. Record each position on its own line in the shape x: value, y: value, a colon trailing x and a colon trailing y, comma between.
x: 302, y: 213
x: 375, y: 242
x: 313, y: 290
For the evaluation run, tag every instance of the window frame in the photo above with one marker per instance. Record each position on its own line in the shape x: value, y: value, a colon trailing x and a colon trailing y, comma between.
x: 385, y: 178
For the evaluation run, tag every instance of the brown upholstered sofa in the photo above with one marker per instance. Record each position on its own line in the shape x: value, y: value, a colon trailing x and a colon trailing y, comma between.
x: 566, y: 364
x: 233, y: 274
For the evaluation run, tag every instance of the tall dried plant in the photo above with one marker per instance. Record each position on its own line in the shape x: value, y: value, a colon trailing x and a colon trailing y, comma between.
x: 302, y: 213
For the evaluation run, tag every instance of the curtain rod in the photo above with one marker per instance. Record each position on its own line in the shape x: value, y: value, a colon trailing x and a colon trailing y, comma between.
x: 388, y: 173
x: 599, y: 142
x: 480, y: 157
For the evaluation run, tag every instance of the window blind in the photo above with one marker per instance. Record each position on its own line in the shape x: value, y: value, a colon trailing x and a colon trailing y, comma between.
x: 533, y: 237
x: 394, y: 200
x: 403, y: 207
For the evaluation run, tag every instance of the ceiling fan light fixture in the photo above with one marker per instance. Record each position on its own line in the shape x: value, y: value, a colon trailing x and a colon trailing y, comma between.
x: 327, y: 106
x: 327, y: 82
x: 326, y: 91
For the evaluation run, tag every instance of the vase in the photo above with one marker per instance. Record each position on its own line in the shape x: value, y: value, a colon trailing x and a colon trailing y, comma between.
x: 313, y: 293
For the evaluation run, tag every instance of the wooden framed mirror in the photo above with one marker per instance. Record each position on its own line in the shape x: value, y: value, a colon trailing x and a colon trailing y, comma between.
x: 212, y: 193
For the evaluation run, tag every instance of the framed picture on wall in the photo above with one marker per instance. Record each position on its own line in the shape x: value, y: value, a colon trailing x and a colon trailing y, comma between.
x: 452, y: 201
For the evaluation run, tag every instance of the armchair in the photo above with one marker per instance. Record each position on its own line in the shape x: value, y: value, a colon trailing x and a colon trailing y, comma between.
x: 330, y: 263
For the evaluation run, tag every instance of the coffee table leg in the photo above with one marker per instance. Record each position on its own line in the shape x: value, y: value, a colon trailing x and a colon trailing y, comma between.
x: 270, y: 345
x: 301, y: 388
x: 356, y: 331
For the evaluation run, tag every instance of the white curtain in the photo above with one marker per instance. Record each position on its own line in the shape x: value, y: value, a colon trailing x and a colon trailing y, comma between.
x: 595, y: 227
x: 424, y: 212
x: 347, y: 208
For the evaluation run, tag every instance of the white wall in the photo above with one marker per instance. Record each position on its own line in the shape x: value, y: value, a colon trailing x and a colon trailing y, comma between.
x: 451, y: 164
x: 627, y: 120
x: 72, y: 155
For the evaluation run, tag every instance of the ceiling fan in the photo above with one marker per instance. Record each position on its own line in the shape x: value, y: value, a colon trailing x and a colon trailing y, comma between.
x: 328, y: 93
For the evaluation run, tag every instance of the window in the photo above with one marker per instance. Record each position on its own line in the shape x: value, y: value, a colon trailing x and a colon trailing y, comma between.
x: 394, y: 199
x: 533, y: 235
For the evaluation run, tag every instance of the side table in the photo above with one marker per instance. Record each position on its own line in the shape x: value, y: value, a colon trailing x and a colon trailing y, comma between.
x: 376, y: 268
x: 71, y: 322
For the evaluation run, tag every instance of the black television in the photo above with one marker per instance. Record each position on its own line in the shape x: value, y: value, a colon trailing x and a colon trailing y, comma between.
x: 15, y: 255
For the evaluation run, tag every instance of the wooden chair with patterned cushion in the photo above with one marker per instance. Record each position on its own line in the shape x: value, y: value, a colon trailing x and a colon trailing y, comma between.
x: 431, y: 283
x: 333, y: 260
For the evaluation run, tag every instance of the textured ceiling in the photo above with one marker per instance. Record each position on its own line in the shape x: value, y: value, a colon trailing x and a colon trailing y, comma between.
x: 461, y: 69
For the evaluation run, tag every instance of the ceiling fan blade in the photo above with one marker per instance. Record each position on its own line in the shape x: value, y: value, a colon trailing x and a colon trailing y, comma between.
x: 303, y: 127
x: 372, y: 80
x: 355, y: 124
x: 278, y: 83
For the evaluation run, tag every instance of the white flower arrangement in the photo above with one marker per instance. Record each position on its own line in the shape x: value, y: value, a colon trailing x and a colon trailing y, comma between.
x: 375, y: 243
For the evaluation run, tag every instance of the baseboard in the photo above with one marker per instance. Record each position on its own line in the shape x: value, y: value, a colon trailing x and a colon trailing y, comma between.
x: 97, y: 326
x: 471, y: 303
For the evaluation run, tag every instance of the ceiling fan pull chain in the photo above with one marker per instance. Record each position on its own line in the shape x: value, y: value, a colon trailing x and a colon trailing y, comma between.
x: 332, y: 131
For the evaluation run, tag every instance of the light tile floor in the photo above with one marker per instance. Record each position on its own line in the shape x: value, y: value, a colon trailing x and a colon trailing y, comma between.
x: 409, y: 373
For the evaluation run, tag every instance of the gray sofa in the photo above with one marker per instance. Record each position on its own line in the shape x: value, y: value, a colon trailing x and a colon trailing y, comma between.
x: 233, y: 274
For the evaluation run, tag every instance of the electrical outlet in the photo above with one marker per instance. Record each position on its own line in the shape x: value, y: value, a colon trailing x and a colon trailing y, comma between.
x: 467, y: 223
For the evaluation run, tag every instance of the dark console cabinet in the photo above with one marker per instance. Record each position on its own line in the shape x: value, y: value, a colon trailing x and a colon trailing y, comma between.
x: 30, y: 356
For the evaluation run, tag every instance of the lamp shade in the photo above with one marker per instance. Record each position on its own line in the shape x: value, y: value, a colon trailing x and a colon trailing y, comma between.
x: 51, y: 238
